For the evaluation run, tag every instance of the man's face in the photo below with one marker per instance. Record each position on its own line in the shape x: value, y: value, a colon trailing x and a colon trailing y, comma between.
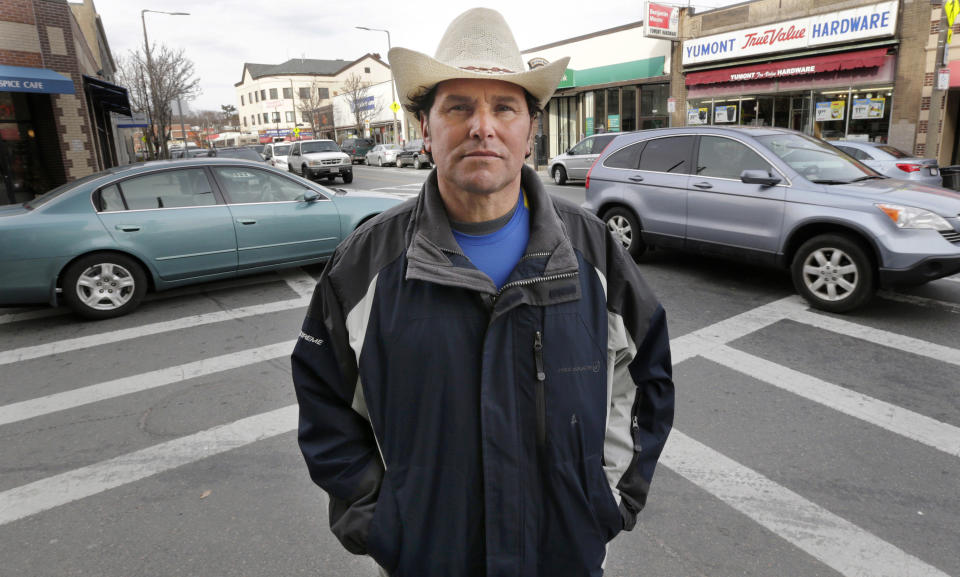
x: 479, y: 132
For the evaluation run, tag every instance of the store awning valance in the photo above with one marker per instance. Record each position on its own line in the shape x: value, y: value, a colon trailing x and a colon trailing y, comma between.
x: 108, y: 96
x: 872, y: 58
x: 37, y: 80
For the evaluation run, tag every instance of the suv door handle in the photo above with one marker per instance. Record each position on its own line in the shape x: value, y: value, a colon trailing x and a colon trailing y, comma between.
x: 703, y: 185
x: 127, y: 227
x: 246, y: 221
x: 636, y: 178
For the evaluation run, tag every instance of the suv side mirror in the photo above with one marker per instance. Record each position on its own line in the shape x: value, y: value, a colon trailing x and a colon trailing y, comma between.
x: 761, y: 177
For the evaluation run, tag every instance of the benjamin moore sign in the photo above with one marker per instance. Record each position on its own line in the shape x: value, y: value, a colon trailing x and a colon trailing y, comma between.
x: 851, y: 25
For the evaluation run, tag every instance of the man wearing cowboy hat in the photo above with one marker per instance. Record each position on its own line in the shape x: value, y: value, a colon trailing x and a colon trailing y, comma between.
x: 484, y: 378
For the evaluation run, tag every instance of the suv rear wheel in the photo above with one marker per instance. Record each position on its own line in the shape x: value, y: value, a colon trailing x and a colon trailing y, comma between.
x: 416, y: 163
x: 833, y: 273
x: 625, y: 228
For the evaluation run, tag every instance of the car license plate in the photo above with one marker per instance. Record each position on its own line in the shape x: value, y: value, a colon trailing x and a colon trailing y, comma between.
x: 335, y: 169
x: 933, y: 172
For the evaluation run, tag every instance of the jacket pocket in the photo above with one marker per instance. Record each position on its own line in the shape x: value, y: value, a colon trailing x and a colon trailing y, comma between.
x: 604, y: 505
x: 384, y: 536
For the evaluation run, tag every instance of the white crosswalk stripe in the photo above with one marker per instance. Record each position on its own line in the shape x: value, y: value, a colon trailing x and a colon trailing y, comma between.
x: 845, y: 547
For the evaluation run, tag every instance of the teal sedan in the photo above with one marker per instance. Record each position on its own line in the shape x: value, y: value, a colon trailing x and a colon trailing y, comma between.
x: 99, y: 243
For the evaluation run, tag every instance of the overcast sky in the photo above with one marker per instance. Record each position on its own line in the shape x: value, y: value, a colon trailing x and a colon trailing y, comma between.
x: 219, y: 35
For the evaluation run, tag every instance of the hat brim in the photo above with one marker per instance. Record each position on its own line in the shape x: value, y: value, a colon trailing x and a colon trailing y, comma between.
x: 415, y: 72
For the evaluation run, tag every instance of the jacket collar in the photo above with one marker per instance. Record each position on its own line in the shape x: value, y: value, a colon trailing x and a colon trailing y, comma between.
x: 434, y: 255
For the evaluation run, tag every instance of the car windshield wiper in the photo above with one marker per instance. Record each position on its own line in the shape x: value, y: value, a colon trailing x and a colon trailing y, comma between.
x: 869, y: 177
x: 827, y: 181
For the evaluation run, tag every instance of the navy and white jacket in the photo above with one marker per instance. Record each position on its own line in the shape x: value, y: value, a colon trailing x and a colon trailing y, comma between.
x: 464, y: 431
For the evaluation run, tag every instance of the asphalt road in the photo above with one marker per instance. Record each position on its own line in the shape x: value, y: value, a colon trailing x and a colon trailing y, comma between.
x: 163, y: 443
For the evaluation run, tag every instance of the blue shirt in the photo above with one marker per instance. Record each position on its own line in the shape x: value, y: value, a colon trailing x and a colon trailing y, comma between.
x: 497, y: 253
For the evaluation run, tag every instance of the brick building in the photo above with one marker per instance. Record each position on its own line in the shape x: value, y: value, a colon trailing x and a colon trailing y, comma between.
x: 857, y: 69
x: 56, y: 99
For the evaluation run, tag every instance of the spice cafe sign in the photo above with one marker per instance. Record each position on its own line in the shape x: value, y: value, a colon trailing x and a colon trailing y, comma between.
x: 855, y: 24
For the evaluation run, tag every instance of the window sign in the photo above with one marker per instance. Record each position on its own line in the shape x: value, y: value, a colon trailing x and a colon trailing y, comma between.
x: 698, y: 115
x: 865, y: 108
x: 613, y: 122
x: 833, y: 110
x: 589, y: 125
x: 725, y: 114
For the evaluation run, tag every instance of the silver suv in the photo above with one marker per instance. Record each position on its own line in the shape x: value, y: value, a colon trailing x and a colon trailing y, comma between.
x: 319, y: 158
x: 574, y: 163
x: 778, y: 197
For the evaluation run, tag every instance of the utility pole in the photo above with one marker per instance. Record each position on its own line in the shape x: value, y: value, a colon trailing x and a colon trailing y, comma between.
x: 938, y: 94
x: 393, y: 88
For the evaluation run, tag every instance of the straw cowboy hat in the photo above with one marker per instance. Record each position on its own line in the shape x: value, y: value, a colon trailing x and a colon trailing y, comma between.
x: 477, y: 44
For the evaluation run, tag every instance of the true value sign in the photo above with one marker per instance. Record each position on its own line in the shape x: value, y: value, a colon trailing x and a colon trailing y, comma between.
x: 836, y: 27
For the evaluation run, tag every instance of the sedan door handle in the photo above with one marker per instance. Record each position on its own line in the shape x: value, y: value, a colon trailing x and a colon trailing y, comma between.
x: 246, y: 221
x: 127, y: 227
x: 703, y: 185
x: 636, y: 178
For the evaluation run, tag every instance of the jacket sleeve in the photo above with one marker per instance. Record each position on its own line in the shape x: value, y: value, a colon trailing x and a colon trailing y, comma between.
x: 336, y: 440
x: 640, y: 384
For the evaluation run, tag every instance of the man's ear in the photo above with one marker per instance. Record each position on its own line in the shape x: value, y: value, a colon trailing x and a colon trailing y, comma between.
x: 425, y: 131
x: 533, y: 131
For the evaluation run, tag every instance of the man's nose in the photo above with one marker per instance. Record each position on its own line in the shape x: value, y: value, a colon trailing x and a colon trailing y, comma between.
x: 481, y: 123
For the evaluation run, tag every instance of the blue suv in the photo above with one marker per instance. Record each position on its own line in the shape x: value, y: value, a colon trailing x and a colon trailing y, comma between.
x: 777, y: 197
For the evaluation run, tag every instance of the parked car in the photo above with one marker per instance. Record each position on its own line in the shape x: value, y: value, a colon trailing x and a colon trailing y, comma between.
x: 414, y: 154
x: 99, y: 243
x: 382, y: 154
x: 778, y: 197
x: 315, y: 158
x: 892, y: 161
x: 357, y: 148
x: 275, y: 154
x: 574, y: 163
x: 243, y: 152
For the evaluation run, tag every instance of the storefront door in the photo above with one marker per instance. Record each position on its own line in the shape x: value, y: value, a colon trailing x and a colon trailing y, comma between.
x: 799, y: 112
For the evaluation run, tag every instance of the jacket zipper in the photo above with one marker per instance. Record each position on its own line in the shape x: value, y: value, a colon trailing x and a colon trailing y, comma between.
x: 530, y: 281
x: 541, y: 400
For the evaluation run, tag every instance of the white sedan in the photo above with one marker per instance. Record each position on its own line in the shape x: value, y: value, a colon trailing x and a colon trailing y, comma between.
x: 383, y: 154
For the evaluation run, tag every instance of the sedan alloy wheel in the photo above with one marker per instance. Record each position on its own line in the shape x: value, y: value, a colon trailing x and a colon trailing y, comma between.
x: 104, y: 285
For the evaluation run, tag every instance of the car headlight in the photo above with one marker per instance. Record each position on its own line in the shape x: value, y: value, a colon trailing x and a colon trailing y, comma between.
x: 313, y: 163
x: 912, y: 217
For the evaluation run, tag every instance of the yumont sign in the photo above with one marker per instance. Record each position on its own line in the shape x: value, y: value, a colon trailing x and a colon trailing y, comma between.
x: 860, y: 23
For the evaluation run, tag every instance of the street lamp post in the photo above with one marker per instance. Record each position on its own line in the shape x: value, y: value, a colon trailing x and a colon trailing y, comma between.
x: 393, y: 89
x: 146, y: 49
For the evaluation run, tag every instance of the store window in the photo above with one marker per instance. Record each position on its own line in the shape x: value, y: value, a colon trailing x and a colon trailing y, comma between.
x: 613, y: 110
x: 628, y: 108
x: 599, y: 111
x: 870, y: 114
x: 653, y: 105
x: 830, y: 114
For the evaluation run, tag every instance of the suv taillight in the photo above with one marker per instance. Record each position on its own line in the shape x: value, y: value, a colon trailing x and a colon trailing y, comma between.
x: 908, y: 167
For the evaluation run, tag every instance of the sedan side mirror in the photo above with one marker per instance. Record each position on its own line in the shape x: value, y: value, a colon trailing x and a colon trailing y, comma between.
x: 761, y: 177
x: 311, y: 196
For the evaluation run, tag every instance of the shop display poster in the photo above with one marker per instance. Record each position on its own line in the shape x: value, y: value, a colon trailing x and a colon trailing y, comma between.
x: 827, y: 111
x: 865, y: 108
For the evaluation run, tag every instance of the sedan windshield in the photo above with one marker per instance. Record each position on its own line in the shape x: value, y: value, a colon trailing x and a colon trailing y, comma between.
x: 281, y: 150
x: 816, y: 160
x: 391, y: 147
x: 330, y: 146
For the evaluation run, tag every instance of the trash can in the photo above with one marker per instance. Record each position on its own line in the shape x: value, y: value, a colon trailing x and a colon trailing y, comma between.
x: 951, y: 176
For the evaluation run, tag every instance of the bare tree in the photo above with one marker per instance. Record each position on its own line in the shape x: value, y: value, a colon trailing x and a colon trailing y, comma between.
x: 362, y: 104
x: 228, y: 113
x: 154, y: 88
x: 310, y: 108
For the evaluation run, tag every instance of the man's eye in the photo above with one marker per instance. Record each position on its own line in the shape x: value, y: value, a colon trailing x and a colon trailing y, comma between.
x: 506, y: 108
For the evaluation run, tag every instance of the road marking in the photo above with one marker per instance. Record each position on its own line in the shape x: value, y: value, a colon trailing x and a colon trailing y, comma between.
x: 40, y: 406
x: 58, y: 490
x: 299, y: 281
x: 829, y: 538
x: 878, y: 336
x: 906, y: 423
x: 730, y: 329
x: 95, y: 340
x: 919, y: 301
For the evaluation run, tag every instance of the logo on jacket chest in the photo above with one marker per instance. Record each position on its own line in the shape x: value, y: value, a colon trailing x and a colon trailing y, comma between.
x: 593, y: 367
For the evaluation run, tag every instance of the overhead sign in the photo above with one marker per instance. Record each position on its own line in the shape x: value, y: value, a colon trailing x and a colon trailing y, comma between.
x: 661, y: 21
x: 860, y: 23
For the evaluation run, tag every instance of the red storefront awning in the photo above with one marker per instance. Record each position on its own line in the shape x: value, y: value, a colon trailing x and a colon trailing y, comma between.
x: 872, y: 58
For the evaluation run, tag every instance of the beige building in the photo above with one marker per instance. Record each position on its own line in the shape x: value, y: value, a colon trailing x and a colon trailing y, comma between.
x: 272, y: 99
